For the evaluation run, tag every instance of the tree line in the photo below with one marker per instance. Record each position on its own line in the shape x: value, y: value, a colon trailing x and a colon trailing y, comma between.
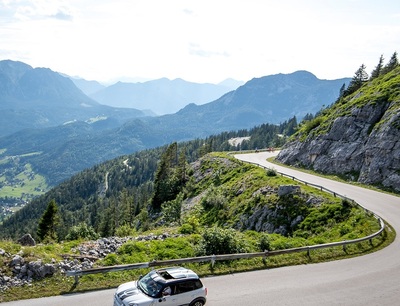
x: 361, y: 76
x: 121, y: 193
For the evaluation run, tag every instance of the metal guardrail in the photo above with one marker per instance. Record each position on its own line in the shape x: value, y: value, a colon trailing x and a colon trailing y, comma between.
x: 214, y: 258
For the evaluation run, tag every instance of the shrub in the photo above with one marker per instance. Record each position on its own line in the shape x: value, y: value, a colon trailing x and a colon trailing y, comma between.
x: 82, y: 231
x: 111, y: 260
x: 220, y: 241
x: 213, y: 199
x: 191, y: 226
x: 171, y: 210
x: 125, y: 230
x: 186, y: 229
x: 312, y: 124
x: 271, y: 172
x: 264, y: 243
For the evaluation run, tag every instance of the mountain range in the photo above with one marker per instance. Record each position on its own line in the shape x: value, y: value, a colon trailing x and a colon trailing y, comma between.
x: 39, y: 98
x: 162, y: 96
x: 85, y: 133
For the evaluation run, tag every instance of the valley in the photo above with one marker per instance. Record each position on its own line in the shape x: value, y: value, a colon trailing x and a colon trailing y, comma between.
x: 43, y: 119
x: 19, y: 184
x: 192, y: 193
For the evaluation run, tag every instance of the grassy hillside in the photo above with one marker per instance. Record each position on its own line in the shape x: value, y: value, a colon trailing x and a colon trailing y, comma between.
x: 356, y: 138
x: 226, y: 206
x: 384, y: 89
x: 129, y: 179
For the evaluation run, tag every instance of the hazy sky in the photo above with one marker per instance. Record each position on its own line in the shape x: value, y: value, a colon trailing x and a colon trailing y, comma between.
x: 199, y: 40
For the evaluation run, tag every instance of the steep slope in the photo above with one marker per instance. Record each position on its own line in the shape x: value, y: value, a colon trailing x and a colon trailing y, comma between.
x: 40, y: 97
x: 271, y: 99
x: 358, y: 137
x: 218, y: 191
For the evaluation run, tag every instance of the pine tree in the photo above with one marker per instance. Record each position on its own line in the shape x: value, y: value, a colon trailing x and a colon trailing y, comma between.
x: 166, y: 183
x: 291, y: 126
x: 342, y: 90
x: 181, y: 168
x: 48, y: 222
x: 378, y: 69
x: 393, y: 63
x: 359, y: 78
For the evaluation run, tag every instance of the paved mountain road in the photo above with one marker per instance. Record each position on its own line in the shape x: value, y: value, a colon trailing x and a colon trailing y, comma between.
x: 373, y: 279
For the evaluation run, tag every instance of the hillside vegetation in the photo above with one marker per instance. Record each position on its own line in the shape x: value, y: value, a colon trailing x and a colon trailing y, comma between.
x: 222, y: 206
x: 220, y: 191
x: 92, y: 195
x: 358, y: 137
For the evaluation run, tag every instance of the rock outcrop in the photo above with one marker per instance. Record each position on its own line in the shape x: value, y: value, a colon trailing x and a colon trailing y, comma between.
x: 22, y: 273
x: 362, y: 144
x: 27, y: 240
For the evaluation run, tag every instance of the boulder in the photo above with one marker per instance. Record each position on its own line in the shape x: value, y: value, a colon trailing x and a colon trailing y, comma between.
x: 17, y: 261
x: 27, y: 240
x: 288, y: 189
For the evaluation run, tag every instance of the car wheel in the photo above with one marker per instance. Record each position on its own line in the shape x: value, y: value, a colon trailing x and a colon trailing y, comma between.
x: 197, y: 303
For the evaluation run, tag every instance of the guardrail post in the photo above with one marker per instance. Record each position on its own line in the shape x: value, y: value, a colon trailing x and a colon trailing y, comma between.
x: 76, y: 280
x: 212, y: 261
x: 344, y: 248
x: 264, y: 259
x: 308, y: 252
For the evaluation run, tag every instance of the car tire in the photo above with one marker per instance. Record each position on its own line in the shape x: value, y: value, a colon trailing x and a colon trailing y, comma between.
x: 197, y: 303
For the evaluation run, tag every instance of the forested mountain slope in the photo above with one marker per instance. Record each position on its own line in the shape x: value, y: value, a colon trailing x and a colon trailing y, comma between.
x: 358, y: 137
x: 269, y: 99
x: 126, y: 183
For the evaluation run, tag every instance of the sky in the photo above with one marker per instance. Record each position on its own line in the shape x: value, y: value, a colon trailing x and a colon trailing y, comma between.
x: 202, y: 41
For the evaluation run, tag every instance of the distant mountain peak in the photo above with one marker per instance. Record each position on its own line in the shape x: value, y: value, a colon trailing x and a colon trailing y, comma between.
x: 13, y: 70
x: 39, y: 97
x: 231, y: 83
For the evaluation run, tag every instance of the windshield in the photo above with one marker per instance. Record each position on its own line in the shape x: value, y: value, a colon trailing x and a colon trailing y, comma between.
x: 149, y: 286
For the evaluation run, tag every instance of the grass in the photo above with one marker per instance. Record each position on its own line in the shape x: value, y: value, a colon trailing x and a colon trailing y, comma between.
x: 26, y: 184
x: 61, y: 284
x: 383, y: 90
x: 334, y: 178
x: 329, y: 229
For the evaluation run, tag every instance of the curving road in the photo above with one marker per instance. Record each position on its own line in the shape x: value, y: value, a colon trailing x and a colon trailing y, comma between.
x: 373, y: 279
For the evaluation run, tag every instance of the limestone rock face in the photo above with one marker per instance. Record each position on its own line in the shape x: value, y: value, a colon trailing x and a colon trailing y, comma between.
x: 363, y: 145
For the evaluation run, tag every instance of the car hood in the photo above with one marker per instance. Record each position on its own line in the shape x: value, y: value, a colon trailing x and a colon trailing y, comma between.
x: 129, y: 292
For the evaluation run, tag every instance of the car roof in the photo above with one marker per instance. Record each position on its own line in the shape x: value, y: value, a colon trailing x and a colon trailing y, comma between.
x: 175, y: 273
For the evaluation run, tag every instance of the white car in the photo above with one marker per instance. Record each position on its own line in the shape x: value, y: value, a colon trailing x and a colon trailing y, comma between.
x: 165, y: 287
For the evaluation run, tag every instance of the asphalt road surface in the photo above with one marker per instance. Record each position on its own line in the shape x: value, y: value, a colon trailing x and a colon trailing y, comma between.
x: 373, y: 279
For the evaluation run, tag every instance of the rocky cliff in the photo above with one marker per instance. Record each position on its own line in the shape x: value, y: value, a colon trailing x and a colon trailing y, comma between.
x: 358, y: 137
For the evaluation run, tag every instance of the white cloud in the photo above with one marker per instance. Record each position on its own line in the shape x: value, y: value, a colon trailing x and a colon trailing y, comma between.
x: 204, y: 41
